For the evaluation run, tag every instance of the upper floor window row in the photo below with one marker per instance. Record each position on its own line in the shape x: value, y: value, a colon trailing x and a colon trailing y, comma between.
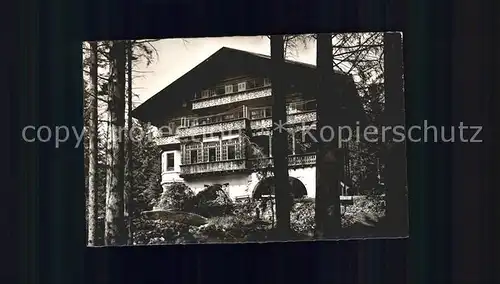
x: 234, y: 87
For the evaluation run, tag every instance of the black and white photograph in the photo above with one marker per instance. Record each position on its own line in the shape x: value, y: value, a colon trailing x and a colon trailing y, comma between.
x: 270, y: 138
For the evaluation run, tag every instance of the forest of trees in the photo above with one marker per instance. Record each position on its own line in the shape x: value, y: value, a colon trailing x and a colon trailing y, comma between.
x: 123, y: 173
x: 116, y: 164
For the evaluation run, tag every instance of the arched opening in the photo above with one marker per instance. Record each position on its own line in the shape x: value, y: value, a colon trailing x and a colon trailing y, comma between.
x: 266, y: 188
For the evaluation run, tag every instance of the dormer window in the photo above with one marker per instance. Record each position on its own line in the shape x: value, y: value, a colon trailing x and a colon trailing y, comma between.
x: 242, y: 86
x: 229, y: 89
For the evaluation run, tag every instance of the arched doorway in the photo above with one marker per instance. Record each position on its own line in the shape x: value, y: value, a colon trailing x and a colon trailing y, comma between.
x: 266, y: 187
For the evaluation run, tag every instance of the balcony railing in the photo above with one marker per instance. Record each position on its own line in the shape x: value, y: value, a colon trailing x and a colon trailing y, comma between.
x: 188, y: 126
x: 225, y: 99
x: 213, y: 167
x: 230, y: 121
x: 291, y: 108
x: 297, y: 112
x: 234, y: 114
x: 233, y: 87
x: 302, y: 160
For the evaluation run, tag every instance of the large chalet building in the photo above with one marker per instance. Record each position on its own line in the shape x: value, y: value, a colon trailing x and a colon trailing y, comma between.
x: 216, y: 123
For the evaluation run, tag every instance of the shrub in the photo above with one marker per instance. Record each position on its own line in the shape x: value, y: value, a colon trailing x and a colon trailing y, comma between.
x: 302, y: 217
x: 176, y: 197
x: 211, y: 202
x: 155, y: 232
x: 246, y: 207
x: 232, y: 229
x: 366, y: 210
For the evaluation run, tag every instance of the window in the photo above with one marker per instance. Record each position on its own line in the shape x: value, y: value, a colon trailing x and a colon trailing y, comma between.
x: 211, y: 152
x: 267, y: 82
x: 229, y: 89
x: 220, y: 90
x: 170, y: 162
x: 242, y: 86
x: 262, y: 145
x: 229, y: 117
x: 205, y: 93
x: 185, y: 122
x: 192, y: 153
x: 171, y: 128
x: 230, y: 149
x: 194, y: 156
x: 231, y: 152
x: 292, y: 108
x: 251, y: 84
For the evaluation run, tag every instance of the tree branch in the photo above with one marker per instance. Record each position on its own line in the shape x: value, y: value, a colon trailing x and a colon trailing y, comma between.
x: 98, y: 76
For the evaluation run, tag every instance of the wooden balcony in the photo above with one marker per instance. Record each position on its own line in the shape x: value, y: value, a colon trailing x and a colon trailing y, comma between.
x: 298, y: 118
x: 213, y: 167
x: 231, y: 122
x: 297, y: 113
x: 235, y: 120
x: 232, y: 98
x: 251, y: 88
x: 229, y: 127
x: 294, y: 161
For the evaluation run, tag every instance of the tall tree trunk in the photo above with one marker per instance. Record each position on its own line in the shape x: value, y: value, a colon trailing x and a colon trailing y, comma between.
x: 397, y: 198
x: 108, y: 149
x: 329, y: 159
x: 107, y: 145
x: 279, y: 138
x: 115, y: 224
x: 128, y: 190
x: 92, y: 175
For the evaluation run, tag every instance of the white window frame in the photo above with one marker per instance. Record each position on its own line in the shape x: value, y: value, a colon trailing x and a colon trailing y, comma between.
x: 242, y: 86
x: 205, y: 94
x: 228, y: 89
x: 164, y: 161
x: 172, y: 168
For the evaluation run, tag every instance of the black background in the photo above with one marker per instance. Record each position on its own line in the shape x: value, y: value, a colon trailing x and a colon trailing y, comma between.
x: 450, y: 77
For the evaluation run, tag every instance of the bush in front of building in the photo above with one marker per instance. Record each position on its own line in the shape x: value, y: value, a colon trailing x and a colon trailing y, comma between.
x: 176, y: 197
x: 302, y: 217
x: 158, y: 232
x: 212, y: 201
x: 246, y: 220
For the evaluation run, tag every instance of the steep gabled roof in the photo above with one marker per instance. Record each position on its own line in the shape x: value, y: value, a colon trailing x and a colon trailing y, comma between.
x: 223, y: 61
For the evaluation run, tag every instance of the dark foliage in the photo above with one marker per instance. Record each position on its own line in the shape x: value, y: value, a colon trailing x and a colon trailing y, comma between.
x: 213, y: 201
x: 177, y: 197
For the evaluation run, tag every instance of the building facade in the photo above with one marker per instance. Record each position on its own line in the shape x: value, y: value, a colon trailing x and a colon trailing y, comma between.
x: 216, y: 125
